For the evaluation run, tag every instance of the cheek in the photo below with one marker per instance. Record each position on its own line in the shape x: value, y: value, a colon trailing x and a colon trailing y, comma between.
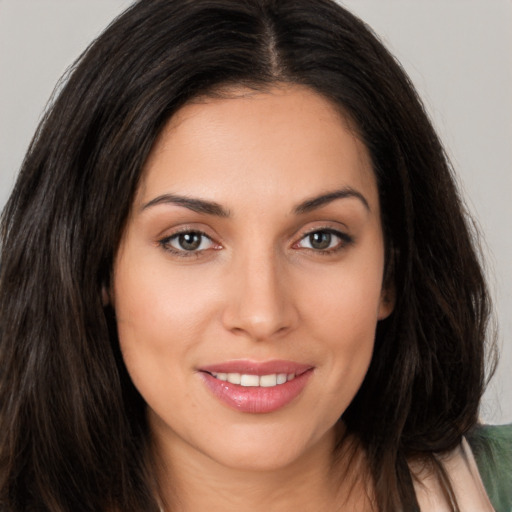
x: 157, y: 306
x: 160, y: 316
x: 345, y: 302
x: 343, y: 314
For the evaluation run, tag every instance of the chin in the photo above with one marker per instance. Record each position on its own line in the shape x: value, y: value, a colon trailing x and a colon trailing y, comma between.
x: 269, y: 449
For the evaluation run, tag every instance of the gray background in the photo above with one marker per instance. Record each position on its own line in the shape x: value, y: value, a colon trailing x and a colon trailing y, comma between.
x: 457, y: 52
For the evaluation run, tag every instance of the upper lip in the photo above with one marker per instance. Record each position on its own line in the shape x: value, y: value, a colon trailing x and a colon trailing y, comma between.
x: 249, y: 367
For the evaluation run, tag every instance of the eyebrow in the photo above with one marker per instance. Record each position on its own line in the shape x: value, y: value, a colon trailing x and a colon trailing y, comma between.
x: 196, y: 205
x: 213, y: 208
x: 317, y: 202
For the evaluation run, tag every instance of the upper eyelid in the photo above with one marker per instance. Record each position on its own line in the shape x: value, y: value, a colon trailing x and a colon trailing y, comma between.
x: 186, y: 228
x: 299, y: 233
x: 325, y: 228
x: 336, y: 232
x: 181, y: 232
x: 343, y: 232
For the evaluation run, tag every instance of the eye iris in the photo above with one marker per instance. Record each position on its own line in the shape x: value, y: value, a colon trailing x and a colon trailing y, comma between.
x: 320, y: 240
x: 189, y: 241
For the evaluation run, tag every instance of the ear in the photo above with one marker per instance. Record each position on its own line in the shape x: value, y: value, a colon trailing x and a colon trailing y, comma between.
x: 106, y: 298
x: 387, y: 302
x: 388, y: 291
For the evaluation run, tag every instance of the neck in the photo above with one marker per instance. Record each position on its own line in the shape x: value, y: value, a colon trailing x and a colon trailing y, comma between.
x: 190, y: 481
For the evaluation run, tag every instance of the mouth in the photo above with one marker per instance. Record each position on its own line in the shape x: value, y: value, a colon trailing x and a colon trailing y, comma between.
x: 249, y: 380
x: 256, y: 387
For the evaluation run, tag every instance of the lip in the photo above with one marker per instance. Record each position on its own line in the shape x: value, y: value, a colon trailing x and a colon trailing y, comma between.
x: 256, y: 400
x: 257, y: 367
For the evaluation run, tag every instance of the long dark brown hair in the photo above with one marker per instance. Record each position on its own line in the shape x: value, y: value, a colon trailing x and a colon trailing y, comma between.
x: 73, y: 433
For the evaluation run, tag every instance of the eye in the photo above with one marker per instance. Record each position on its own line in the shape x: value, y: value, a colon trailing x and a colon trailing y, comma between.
x: 324, y: 240
x: 187, y: 242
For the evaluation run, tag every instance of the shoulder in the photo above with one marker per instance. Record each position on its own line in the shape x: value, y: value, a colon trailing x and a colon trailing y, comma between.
x: 492, y: 449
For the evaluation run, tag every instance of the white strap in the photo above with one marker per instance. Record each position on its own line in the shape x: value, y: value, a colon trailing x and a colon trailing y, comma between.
x: 467, y: 485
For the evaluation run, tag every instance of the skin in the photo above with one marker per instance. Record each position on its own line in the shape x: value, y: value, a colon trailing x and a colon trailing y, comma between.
x: 256, y: 289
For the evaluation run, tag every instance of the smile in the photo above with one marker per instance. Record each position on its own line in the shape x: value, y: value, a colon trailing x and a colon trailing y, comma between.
x: 256, y: 387
x: 250, y: 380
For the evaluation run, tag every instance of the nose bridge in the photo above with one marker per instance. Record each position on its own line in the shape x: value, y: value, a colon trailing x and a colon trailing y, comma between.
x: 259, y: 304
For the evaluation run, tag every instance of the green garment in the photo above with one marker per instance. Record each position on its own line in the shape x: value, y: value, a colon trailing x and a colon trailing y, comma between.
x: 492, y: 448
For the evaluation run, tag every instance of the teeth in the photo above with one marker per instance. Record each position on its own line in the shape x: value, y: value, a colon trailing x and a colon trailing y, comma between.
x: 234, y: 378
x: 248, y: 380
x: 268, y: 381
x: 281, y: 378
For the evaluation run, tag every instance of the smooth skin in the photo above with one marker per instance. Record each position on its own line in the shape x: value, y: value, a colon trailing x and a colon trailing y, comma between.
x: 255, y: 234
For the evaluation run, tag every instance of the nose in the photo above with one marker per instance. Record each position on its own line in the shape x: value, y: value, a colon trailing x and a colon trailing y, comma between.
x: 260, y: 304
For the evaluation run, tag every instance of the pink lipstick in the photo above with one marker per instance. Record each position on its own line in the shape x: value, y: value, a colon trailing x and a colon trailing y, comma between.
x: 256, y: 387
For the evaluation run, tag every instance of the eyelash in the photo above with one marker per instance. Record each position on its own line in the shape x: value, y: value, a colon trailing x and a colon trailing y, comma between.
x: 183, y: 253
x: 344, y: 241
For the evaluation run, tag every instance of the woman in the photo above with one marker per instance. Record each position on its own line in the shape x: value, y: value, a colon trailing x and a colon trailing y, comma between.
x: 236, y: 273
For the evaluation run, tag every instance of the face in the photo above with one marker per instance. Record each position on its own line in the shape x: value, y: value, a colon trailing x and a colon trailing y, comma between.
x: 248, y: 283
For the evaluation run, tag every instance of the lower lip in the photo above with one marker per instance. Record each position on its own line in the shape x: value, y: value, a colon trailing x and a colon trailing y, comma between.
x: 256, y: 400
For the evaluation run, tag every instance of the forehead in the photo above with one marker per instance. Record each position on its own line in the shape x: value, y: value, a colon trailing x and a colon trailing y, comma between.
x: 286, y: 143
